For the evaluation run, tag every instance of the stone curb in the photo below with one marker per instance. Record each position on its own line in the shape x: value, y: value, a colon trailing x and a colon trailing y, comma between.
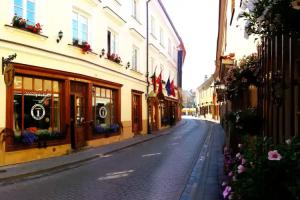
x: 70, y: 165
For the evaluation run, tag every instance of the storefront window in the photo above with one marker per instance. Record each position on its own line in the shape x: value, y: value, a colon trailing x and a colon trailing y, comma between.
x: 104, y: 110
x: 36, y: 109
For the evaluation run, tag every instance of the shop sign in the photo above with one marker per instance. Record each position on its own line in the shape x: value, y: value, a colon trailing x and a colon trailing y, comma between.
x: 227, y: 61
x: 38, y: 112
x: 8, y: 69
x: 103, y: 112
x: 9, y: 74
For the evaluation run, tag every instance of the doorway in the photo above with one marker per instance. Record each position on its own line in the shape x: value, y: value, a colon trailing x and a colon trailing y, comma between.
x: 78, y: 106
x: 136, y: 113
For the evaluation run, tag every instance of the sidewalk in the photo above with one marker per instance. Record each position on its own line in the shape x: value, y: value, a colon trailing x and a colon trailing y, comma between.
x: 206, y: 176
x: 12, y: 173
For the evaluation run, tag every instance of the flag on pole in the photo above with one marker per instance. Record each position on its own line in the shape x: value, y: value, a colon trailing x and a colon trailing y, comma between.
x: 168, y: 87
x: 172, y: 88
x: 153, y: 78
x: 158, y: 81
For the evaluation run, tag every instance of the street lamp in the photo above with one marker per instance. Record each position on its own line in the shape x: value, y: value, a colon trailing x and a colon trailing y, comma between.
x: 147, y: 65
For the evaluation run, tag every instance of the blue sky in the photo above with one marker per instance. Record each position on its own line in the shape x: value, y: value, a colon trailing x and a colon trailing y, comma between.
x: 197, y: 23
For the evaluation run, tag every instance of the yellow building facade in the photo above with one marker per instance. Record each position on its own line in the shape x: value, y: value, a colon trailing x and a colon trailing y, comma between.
x: 80, y: 75
x: 206, y: 100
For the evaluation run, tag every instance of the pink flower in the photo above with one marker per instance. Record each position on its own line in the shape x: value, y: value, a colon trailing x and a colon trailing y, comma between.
x: 224, y: 184
x: 226, y: 191
x: 241, y: 169
x: 230, y: 174
x: 296, y: 4
x: 238, y: 155
x: 240, y: 145
x: 244, y: 161
x: 274, y: 155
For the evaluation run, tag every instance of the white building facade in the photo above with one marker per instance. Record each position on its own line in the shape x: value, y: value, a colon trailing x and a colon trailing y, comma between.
x: 80, y: 74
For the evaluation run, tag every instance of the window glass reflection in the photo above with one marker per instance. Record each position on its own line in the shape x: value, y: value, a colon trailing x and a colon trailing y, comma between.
x: 104, y: 111
x: 36, y: 110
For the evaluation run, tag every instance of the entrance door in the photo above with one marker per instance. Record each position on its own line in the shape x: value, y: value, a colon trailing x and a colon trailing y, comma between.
x: 78, y: 105
x: 136, y: 113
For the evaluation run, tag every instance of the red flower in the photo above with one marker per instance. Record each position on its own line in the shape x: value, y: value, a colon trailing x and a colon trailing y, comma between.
x: 86, y: 47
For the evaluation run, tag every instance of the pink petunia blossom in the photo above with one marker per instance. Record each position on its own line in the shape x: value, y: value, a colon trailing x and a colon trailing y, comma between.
x: 244, y: 161
x: 241, y: 169
x: 296, y: 4
x: 230, y: 174
x: 274, y: 155
x: 240, y: 145
x: 226, y: 192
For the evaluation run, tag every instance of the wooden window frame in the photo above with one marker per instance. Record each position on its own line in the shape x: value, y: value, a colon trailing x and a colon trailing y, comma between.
x: 117, y: 110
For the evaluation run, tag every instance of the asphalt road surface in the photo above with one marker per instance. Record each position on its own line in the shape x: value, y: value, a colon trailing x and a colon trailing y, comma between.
x: 154, y: 170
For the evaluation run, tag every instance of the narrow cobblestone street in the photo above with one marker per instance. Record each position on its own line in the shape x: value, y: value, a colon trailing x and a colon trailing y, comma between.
x: 156, y: 169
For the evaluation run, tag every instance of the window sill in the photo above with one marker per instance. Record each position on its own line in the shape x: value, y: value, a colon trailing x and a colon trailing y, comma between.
x: 153, y: 36
x: 49, y: 143
x: 76, y: 46
x: 118, y: 2
x: 136, y: 72
x: 25, y: 30
x: 136, y: 19
x: 114, y: 62
x: 104, y: 135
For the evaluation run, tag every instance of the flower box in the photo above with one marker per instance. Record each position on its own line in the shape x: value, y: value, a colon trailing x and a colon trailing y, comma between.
x: 114, y: 57
x: 85, y: 46
x: 21, y: 23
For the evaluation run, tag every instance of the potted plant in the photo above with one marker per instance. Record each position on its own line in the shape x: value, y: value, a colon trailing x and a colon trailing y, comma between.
x: 86, y: 47
x: 19, y: 22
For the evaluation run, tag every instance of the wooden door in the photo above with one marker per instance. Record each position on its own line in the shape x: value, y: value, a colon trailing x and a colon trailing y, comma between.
x: 78, y: 106
x: 136, y: 113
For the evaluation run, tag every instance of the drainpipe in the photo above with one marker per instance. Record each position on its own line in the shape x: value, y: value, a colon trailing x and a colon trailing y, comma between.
x: 147, y: 65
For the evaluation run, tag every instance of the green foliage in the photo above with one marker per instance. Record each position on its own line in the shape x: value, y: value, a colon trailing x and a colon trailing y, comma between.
x: 267, y: 17
x: 238, y: 79
x: 264, y: 177
x: 246, y: 121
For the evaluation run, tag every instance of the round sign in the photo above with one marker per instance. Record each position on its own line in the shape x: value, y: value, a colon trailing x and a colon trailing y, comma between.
x: 102, y: 112
x: 38, y: 112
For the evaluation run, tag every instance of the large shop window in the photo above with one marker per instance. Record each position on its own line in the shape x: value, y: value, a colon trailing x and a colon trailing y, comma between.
x: 104, y: 111
x: 37, y: 109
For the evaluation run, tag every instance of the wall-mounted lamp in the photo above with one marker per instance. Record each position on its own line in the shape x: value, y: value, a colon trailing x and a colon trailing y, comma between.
x: 102, y: 53
x: 128, y: 65
x: 60, y: 35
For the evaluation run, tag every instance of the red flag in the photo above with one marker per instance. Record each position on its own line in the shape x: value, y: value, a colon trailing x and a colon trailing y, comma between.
x: 158, y: 80
x: 172, y: 88
x: 153, y: 78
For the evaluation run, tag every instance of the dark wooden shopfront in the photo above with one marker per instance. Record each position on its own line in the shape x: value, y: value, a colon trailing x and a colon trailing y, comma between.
x: 75, y: 110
